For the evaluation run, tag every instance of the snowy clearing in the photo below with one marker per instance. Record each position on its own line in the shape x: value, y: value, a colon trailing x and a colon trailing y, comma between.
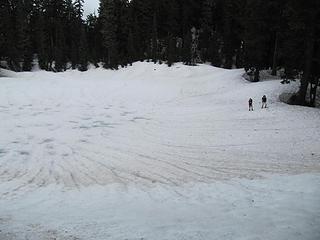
x: 151, y: 152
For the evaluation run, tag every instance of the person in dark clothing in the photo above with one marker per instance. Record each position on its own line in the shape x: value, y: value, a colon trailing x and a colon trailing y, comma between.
x: 250, y: 104
x: 264, y: 102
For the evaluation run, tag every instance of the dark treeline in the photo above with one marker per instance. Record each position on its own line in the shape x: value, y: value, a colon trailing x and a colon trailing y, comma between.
x: 254, y: 34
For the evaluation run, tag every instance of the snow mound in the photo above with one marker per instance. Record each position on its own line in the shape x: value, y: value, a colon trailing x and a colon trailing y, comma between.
x: 7, y: 73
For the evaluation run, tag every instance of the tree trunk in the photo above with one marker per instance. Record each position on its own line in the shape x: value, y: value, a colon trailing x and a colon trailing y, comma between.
x: 275, y: 55
x: 309, y: 51
x: 307, y: 69
x: 154, y: 39
x: 256, y: 74
x: 313, y: 92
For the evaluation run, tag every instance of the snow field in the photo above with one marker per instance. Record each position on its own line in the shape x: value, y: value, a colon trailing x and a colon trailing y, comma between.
x: 150, y: 152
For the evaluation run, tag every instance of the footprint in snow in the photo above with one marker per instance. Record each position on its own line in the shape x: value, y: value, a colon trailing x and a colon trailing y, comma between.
x: 2, y: 152
x: 24, y: 153
x: 86, y: 118
x: 47, y: 140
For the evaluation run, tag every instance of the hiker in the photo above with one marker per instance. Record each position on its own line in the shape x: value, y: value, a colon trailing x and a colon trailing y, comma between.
x: 250, y: 104
x: 264, y: 102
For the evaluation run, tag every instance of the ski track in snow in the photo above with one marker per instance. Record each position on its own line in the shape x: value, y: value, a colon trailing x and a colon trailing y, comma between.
x: 146, y: 127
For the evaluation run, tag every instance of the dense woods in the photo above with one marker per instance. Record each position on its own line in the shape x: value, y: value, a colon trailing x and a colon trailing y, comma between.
x: 250, y: 34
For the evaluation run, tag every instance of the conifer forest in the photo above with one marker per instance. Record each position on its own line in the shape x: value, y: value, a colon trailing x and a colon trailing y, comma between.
x: 250, y: 34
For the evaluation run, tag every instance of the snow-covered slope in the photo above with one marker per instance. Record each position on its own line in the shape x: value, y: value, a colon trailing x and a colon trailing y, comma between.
x: 151, y: 152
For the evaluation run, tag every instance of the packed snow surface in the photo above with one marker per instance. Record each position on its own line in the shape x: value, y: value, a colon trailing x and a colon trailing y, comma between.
x: 151, y: 152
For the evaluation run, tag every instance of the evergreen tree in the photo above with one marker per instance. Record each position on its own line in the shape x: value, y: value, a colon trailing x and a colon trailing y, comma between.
x: 154, y: 46
x: 171, y: 51
x: 59, y: 48
x: 231, y: 30
x: 25, y: 43
x: 137, y: 40
x: 277, y: 27
x: 17, y: 38
x: 186, y: 52
x: 78, y: 7
x: 42, y: 42
x: 206, y: 30
x: 256, y: 37
x: 304, y: 27
x: 122, y: 32
x: 142, y: 12
x: 77, y: 35
x: 94, y: 39
x: 83, y: 46
x: 195, y: 55
x: 214, y: 50
x: 4, y: 17
x: 109, y: 32
x: 131, y: 49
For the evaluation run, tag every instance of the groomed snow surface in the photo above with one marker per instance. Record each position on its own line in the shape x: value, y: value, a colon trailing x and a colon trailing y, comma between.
x: 150, y: 152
